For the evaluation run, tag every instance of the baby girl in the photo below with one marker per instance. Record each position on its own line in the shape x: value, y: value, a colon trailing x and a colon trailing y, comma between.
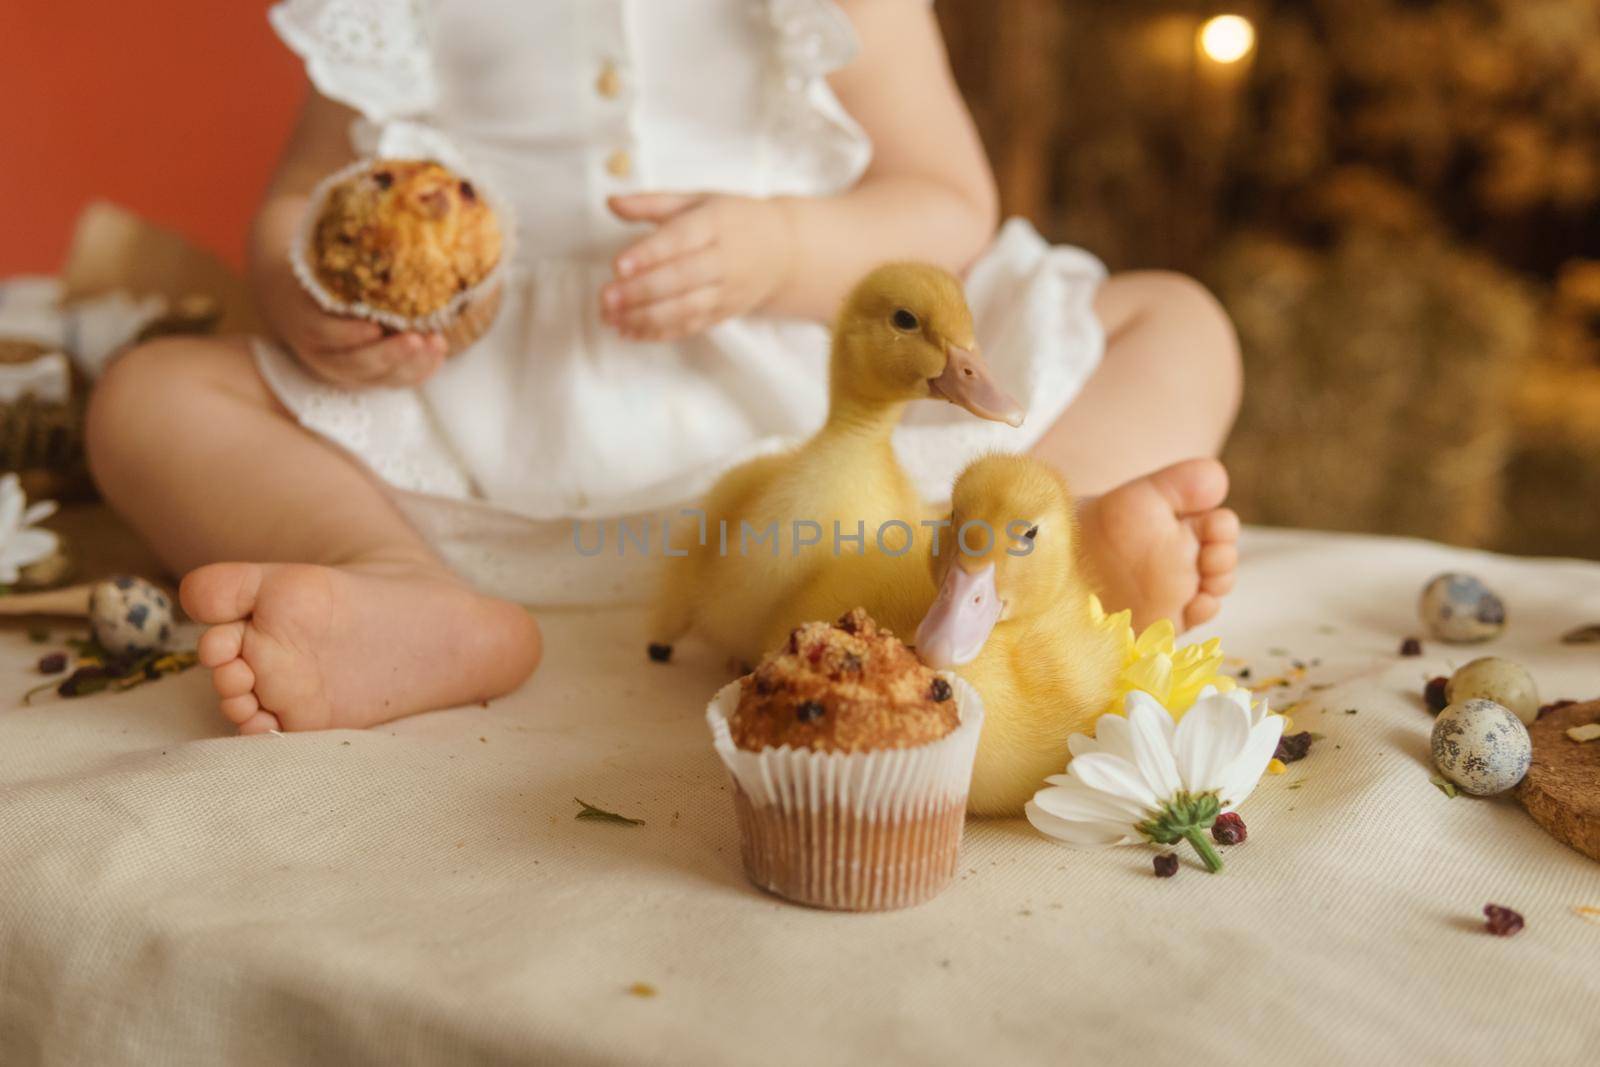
x: 694, y: 188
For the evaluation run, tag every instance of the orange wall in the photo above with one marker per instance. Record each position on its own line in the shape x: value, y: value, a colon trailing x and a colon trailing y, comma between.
x: 174, y: 108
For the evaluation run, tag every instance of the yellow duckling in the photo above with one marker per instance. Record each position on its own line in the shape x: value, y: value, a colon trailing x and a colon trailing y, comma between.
x: 1016, y: 617
x: 904, y: 333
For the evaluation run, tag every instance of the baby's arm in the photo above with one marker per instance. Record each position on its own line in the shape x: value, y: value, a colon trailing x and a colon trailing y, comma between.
x: 928, y: 195
x: 345, y: 351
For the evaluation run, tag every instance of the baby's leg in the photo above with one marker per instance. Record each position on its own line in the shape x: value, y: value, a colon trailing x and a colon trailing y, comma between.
x: 343, y: 617
x: 1166, y: 393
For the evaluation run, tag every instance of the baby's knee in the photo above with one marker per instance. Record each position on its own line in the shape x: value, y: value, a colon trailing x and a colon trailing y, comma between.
x: 153, y: 381
x: 1182, y: 308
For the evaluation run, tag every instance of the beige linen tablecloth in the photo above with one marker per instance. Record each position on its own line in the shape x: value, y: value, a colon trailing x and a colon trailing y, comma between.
x: 421, y: 893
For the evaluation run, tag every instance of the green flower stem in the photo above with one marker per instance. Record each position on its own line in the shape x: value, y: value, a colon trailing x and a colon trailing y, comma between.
x: 1186, y: 817
x: 1197, y: 837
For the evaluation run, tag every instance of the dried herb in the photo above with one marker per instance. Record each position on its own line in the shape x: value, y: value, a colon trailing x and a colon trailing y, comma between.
x: 1445, y: 786
x: 602, y: 815
x: 39, y: 636
x: 99, y: 673
x: 642, y: 989
x: 53, y: 663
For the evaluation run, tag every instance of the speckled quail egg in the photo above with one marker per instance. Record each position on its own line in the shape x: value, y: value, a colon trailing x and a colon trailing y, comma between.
x: 1481, y: 746
x: 130, y: 616
x: 1492, y: 678
x: 1460, y: 609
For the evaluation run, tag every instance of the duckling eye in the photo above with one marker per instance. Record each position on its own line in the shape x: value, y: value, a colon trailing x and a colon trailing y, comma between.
x: 1033, y: 531
x: 904, y: 320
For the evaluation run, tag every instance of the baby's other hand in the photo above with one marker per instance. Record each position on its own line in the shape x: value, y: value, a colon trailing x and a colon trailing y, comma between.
x: 712, y: 257
x: 348, y: 351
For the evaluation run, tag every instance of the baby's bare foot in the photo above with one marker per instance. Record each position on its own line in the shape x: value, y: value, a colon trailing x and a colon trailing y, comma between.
x: 1163, y: 545
x: 299, y: 647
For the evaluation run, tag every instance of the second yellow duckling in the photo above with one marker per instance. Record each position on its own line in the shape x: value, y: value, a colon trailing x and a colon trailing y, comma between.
x: 904, y: 333
x: 1014, y: 618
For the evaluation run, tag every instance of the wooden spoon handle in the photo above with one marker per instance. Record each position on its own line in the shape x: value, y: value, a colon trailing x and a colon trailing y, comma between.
x: 71, y: 600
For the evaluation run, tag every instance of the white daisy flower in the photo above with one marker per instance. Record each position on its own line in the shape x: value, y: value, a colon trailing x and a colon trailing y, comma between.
x: 20, y: 544
x: 1144, y: 776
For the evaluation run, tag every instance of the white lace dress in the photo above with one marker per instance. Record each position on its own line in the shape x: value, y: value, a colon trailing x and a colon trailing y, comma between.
x: 552, y: 417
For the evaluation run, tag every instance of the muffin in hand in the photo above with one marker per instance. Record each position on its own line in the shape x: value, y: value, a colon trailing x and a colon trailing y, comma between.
x: 408, y: 243
x: 850, y: 762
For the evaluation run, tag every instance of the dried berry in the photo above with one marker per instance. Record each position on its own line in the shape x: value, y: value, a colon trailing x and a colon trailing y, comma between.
x: 659, y: 653
x: 1433, y: 694
x: 54, y: 663
x: 1555, y: 705
x: 1411, y: 647
x: 383, y: 178
x: 850, y: 663
x: 847, y: 622
x: 1166, y: 864
x: 815, y: 653
x: 763, y: 685
x: 1501, y: 921
x: 1293, y: 747
x: 941, y: 690
x: 1229, y: 829
x: 809, y: 711
x: 794, y: 640
x: 467, y: 191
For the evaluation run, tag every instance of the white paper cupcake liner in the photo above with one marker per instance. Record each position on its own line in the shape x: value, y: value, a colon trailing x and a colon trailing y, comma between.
x: 468, y: 314
x: 865, y: 831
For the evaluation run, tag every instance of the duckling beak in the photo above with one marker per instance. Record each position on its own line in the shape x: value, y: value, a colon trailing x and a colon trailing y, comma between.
x: 961, y: 619
x: 966, y: 382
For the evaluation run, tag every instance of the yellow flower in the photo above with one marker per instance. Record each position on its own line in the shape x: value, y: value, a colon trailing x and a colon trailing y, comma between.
x: 1151, y: 663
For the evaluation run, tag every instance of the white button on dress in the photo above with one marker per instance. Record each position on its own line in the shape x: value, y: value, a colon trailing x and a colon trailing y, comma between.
x: 557, y: 105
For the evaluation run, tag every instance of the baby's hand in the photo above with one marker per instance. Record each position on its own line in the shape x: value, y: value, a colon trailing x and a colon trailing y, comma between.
x: 347, y: 351
x: 712, y: 257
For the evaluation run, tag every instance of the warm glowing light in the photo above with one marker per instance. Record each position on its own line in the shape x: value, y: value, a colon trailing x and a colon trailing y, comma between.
x: 1227, y: 38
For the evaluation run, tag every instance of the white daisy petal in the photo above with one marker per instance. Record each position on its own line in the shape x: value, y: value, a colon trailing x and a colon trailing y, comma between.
x: 1209, y: 738
x: 1111, y: 736
x: 1150, y: 733
x: 30, y: 546
x: 1077, y: 802
x: 1244, y: 773
x: 1081, y: 744
x: 1083, y: 835
x: 1111, y: 774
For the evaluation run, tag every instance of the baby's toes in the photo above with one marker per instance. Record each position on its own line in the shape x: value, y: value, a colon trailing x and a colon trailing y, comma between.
x: 239, y: 710
x: 1219, y: 527
x: 233, y: 679
x: 1218, y: 564
x: 262, y: 722
x: 1202, y: 609
x: 220, y: 644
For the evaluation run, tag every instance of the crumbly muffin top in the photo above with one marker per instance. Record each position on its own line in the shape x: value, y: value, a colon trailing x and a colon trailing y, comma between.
x: 848, y: 686
x: 404, y: 236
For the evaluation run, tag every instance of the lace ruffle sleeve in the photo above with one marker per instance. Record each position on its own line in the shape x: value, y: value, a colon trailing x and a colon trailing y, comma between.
x: 369, y: 54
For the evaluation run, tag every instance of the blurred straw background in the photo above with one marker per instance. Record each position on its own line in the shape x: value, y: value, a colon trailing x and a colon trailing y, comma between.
x: 1399, y: 203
